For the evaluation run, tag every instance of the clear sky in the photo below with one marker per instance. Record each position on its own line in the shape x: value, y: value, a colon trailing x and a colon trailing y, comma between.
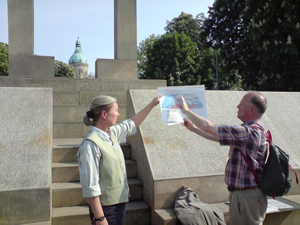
x: 58, y: 23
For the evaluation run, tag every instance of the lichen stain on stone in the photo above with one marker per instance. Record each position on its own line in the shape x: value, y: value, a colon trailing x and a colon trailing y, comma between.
x: 147, y: 140
x: 174, y: 145
x: 44, y: 139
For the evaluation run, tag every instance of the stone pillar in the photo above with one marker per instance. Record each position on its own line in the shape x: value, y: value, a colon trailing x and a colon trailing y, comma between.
x: 21, y: 27
x: 124, y: 66
x: 125, y: 29
x: 22, y: 62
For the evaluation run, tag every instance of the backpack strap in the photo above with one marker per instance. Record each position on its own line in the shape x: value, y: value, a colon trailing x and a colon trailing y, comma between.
x: 269, y: 139
x: 258, y: 181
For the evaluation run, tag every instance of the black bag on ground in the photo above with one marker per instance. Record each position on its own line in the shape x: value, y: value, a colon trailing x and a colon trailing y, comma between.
x: 275, y: 180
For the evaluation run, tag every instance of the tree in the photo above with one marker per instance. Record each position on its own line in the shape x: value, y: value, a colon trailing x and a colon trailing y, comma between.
x: 258, y: 40
x: 3, y: 59
x: 142, y: 55
x: 64, y: 70
x: 172, y: 57
x: 225, y: 29
x: 192, y: 27
x: 274, y: 28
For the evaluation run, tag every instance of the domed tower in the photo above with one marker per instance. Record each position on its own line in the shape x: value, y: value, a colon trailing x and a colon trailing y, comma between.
x: 79, y: 62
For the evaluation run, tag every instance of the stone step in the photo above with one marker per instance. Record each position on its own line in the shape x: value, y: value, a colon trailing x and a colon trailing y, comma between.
x: 68, y: 152
x: 68, y: 172
x: 70, y: 194
x: 137, y: 213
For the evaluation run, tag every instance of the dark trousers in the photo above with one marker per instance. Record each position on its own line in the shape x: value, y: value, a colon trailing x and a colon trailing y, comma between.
x: 115, y: 214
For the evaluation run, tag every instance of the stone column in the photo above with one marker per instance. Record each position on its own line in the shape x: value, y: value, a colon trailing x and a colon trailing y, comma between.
x: 125, y: 29
x: 21, y: 27
x: 124, y: 65
x: 22, y: 62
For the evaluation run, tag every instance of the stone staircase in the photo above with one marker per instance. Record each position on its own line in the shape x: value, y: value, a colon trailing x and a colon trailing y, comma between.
x: 68, y: 205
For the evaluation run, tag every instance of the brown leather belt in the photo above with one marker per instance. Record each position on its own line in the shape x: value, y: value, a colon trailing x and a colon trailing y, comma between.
x: 241, y: 189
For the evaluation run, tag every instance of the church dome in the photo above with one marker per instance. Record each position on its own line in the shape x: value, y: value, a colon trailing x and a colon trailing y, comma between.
x: 77, y: 57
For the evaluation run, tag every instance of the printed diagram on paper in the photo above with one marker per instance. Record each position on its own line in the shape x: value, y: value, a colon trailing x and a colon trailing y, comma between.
x: 170, y: 102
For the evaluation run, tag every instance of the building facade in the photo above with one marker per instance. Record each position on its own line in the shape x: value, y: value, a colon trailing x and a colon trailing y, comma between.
x: 79, y: 62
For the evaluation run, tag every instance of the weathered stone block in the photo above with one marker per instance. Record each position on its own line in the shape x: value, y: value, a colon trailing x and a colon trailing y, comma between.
x: 66, y: 98
x: 25, y: 152
x: 31, y: 66
x: 116, y: 69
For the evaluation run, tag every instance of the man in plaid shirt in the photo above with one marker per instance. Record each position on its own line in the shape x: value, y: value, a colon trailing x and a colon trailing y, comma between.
x: 248, y: 205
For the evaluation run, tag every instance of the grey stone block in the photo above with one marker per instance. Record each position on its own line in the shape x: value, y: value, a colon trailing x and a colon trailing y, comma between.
x: 31, y: 66
x: 25, y: 152
x: 171, y: 156
x: 66, y: 98
x: 116, y: 69
x: 25, y: 206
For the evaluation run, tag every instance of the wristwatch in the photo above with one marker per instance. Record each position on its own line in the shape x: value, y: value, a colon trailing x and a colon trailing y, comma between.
x: 100, y: 219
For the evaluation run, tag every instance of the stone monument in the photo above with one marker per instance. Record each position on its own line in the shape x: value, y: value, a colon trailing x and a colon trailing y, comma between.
x: 170, y: 157
x: 22, y: 61
x: 124, y: 63
x: 26, y: 155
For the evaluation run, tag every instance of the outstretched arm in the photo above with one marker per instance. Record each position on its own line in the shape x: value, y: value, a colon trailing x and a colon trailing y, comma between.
x: 140, y: 116
x: 190, y: 126
x: 202, y: 123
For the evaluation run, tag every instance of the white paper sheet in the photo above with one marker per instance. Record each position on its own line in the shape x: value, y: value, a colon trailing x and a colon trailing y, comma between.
x: 170, y: 102
x: 276, y: 206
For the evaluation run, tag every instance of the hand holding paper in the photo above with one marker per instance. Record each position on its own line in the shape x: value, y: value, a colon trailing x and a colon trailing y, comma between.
x: 171, y: 101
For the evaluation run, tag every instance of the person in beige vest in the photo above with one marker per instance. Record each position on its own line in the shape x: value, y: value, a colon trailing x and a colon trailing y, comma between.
x: 101, y: 162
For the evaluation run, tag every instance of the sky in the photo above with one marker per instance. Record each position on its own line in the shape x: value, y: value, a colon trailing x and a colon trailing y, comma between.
x: 58, y: 24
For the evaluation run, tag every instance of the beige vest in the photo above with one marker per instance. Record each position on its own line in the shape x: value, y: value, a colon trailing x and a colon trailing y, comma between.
x: 113, y: 177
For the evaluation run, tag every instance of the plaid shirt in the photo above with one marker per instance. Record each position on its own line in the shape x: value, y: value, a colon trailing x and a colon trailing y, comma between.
x: 254, y: 145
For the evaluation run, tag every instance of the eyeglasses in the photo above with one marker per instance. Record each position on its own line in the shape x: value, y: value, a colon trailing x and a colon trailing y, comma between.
x: 245, y: 105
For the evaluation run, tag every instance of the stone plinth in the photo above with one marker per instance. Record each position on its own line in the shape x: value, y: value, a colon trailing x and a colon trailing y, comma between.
x: 116, y: 69
x: 26, y: 153
x: 169, y: 157
x: 31, y: 66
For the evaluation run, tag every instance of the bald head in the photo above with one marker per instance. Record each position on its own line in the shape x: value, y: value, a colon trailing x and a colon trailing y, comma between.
x: 259, y: 101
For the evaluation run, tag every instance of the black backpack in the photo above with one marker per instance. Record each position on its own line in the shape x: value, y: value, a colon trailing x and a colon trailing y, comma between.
x: 275, y: 180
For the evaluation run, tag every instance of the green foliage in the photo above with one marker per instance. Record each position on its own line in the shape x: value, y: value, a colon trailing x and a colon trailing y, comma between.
x: 64, y: 70
x: 142, y: 54
x: 259, y: 40
x: 3, y: 59
x: 274, y: 28
x: 182, y: 56
x: 192, y: 27
x: 172, y: 57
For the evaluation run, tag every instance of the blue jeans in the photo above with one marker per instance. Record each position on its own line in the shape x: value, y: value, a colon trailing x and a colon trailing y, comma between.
x: 115, y: 214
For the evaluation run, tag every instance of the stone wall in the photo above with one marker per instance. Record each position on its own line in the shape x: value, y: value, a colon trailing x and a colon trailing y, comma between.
x: 72, y: 97
x: 26, y: 155
x: 169, y: 157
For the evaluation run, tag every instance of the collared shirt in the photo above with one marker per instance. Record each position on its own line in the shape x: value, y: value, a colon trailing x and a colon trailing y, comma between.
x: 90, y: 157
x: 252, y: 142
